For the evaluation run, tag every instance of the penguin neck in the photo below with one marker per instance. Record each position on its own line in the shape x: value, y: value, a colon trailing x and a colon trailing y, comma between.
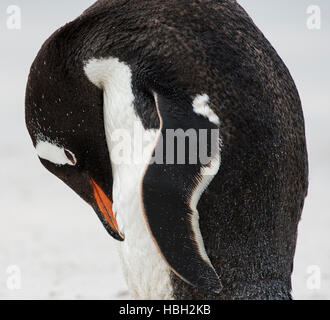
x: 146, y: 273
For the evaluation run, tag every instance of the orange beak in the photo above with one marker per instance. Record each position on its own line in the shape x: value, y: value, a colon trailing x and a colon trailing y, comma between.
x: 105, y: 207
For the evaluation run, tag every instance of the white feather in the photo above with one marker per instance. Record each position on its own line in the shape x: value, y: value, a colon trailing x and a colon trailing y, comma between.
x: 54, y: 153
x: 146, y: 273
x: 201, y: 107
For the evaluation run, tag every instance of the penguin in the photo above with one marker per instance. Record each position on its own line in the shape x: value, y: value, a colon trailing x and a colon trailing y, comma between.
x: 120, y: 105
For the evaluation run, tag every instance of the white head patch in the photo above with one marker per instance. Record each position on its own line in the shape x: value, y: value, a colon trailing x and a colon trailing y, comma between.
x: 55, y: 154
x: 201, y: 107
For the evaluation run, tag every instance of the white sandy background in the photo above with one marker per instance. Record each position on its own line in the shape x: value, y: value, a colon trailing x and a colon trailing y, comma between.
x: 56, y: 240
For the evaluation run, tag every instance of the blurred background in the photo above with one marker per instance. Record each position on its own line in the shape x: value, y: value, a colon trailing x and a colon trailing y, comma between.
x: 52, y: 245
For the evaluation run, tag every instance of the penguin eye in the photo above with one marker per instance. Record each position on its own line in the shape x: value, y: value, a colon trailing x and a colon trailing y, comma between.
x: 70, y: 156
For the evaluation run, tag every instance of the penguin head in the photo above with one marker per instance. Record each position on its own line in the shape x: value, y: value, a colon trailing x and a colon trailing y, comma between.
x: 64, y: 116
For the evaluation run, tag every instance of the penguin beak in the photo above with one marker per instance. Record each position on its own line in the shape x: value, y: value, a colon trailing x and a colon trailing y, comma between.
x: 104, y: 210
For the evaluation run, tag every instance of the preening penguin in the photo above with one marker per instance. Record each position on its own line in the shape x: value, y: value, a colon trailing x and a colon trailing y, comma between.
x: 180, y: 125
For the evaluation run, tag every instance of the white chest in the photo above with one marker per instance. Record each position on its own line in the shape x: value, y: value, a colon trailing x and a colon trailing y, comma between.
x: 130, y: 146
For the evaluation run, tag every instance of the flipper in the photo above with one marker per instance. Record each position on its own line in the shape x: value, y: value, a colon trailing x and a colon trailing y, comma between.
x: 172, y: 185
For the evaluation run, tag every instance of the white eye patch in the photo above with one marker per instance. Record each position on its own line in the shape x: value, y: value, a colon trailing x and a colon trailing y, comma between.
x: 55, y: 154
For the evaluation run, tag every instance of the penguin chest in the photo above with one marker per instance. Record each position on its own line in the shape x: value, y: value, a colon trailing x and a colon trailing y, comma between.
x: 130, y: 147
x: 146, y: 274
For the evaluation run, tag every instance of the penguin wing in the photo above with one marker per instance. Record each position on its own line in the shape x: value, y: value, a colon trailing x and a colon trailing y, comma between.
x: 172, y: 185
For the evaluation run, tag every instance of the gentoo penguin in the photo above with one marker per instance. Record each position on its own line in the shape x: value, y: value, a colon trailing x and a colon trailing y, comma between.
x: 120, y: 101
